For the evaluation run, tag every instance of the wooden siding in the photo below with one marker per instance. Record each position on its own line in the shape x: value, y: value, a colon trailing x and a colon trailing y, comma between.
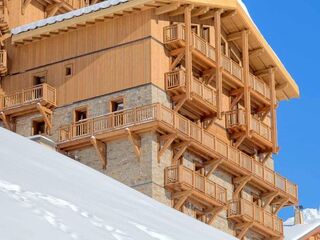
x: 106, y: 57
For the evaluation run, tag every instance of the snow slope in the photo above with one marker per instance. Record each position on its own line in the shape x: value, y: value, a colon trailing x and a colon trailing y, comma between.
x: 45, y: 195
x: 311, y: 221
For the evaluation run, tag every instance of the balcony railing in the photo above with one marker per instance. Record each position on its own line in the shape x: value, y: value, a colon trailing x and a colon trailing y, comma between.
x: 195, y: 181
x: 185, y: 128
x: 176, y: 32
x: 256, y: 214
x: 260, y: 86
x: 176, y: 79
x: 236, y: 118
x: 108, y: 122
x: 38, y: 93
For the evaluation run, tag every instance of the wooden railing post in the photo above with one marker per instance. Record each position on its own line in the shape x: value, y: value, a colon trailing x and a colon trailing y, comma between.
x: 44, y: 91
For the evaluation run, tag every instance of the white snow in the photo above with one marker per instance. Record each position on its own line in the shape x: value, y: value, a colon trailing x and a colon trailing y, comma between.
x: 66, y: 16
x: 46, y: 195
x: 311, y: 221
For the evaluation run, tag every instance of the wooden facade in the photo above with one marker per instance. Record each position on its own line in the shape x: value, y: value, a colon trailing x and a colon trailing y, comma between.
x: 210, y: 60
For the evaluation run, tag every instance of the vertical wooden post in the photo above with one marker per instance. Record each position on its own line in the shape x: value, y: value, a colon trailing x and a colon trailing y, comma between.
x: 217, y: 30
x: 188, y: 52
x: 273, y: 111
x: 245, y: 74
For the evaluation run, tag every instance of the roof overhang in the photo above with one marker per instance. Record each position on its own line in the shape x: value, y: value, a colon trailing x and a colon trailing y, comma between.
x: 286, y: 86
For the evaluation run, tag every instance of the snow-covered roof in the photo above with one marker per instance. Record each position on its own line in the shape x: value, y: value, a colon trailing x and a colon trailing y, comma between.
x: 46, y: 195
x: 296, y: 232
x: 66, y: 16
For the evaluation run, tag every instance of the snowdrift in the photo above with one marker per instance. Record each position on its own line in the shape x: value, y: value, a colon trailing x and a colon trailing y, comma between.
x: 45, y: 195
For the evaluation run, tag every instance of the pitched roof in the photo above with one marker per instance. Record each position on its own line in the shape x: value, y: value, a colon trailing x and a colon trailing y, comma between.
x: 46, y: 195
x: 296, y: 232
x: 66, y: 16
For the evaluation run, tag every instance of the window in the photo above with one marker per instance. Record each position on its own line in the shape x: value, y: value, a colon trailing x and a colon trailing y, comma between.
x: 80, y: 114
x: 117, y: 105
x: 68, y: 70
x: 39, y: 78
x: 38, y: 127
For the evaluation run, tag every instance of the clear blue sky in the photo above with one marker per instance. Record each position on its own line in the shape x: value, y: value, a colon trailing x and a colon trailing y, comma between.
x: 292, y: 28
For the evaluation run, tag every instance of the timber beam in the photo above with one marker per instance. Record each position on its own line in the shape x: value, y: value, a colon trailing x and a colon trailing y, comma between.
x: 234, y: 36
x: 136, y: 142
x: 256, y: 52
x: 168, y: 140
x: 167, y: 8
x: 240, y: 140
x: 178, y: 59
x: 100, y: 148
x: 213, y: 214
x: 268, y: 198
x: 181, y: 198
x: 213, y: 165
x: 236, y: 100
x: 266, y: 157
x: 182, y: 148
x: 5, y: 120
x: 46, y: 114
x: 244, y: 229
x: 273, y: 110
x: 199, y: 11
x: 180, y: 103
x: 218, y: 73
x: 208, y: 15
x: 240, y: 182
x: 281, y: 205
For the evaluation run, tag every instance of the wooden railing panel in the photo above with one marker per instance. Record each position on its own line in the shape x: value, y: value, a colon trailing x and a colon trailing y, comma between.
x: 196, y: 181
x: 256, y: 213
x: 40, y: 92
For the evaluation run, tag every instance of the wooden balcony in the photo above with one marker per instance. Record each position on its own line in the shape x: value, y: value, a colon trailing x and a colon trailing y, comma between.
x: 26, y: 100
x: 166, y: 121
x: 202, y: 190
x: 204, y: 58
x: 243, y: 211
x: 260, y: 91
x: 260, y: 132
x: 3, y: 62
x: 203, y: 97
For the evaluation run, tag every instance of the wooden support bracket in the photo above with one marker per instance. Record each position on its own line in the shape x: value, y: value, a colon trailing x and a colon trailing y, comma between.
x: 182, y: 197
x: 281, y: 205
x: 182, y: 148
x: 244, y: 229
x: 213, y: 214
x: 213, y: 165
x: 46, y: 114
x: 199, y: 11
x: 266, y: 157
x: 5, y: 121
x: 168, y: 141
x: 177, y: 61
x: 236, y: 100
x: 240, y: 140
x: 100, y: 148
x: 241, y: 182
x: 180, y: 103
x: 136, y: 142
x: 267, y: 198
